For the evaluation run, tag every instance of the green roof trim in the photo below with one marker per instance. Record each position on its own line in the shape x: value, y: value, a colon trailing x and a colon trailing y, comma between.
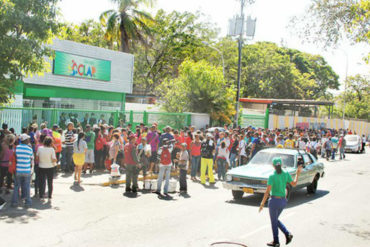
x: 44, y: 91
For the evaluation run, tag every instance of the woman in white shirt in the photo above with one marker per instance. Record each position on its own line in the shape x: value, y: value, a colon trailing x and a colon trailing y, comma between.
x: 47, y: 160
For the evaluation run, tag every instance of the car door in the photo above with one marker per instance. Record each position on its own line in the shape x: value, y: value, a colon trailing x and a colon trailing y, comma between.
x: 309, y: 168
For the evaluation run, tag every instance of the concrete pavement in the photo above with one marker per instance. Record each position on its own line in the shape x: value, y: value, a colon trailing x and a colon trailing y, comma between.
x: 338, y: 215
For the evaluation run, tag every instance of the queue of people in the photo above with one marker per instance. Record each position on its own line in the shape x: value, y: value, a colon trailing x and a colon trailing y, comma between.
x: 146, y: 150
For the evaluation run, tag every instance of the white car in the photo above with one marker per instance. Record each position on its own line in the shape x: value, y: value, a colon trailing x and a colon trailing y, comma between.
x: 353, y: 143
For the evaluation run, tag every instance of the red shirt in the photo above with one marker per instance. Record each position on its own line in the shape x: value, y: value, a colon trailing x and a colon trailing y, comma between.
x: 165, y: 157
x: 195, y: 148
x: 129, y: 160
x: 188, y: 141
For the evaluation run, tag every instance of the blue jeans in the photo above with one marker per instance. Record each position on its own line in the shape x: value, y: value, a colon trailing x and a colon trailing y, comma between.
x: 23, y: 182
x: 276, y: 206
x: 164, y: 170
x: 221, y: 169
x: 233, y: 158
x: 333, y: 152
x: 195, y: 162
x: 341, y: 153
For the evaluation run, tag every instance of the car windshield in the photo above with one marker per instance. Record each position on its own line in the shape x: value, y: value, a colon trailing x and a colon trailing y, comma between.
x: 351, y: 138
x: 263, y: 158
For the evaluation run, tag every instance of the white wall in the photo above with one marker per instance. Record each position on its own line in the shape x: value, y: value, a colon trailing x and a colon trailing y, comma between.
x: 122, y: 66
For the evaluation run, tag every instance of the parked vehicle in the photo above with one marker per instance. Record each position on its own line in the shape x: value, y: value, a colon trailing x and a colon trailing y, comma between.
x: 252, y: 178
x: 220, y: 129
x: 353, y: 143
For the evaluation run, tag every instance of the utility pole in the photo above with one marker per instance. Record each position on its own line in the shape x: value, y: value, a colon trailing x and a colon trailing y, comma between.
x: 240, y: 46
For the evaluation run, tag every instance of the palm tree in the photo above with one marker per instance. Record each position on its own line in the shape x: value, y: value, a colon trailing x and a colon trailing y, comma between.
x: 127, y: 24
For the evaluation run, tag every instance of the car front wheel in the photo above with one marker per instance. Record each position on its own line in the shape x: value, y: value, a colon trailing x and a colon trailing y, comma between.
x: 237, y: 194
x: 312, y: 188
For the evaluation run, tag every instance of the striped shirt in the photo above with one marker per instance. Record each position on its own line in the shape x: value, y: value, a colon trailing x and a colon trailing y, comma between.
x: 24, y: 154
x: 68, y: 135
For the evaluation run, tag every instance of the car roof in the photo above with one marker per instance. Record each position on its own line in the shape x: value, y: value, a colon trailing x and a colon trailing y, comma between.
x: 282, y: 151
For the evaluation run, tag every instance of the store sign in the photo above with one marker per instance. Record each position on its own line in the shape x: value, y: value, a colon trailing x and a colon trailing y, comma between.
x: 83, y: 67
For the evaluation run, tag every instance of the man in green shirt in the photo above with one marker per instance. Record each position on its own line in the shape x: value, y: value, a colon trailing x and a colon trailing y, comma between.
x: 89, y: 157
x: 276, y: 186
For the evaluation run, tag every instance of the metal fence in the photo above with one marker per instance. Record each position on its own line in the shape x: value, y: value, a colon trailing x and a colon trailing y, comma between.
x: 18, y: 117
x: 257, y: 121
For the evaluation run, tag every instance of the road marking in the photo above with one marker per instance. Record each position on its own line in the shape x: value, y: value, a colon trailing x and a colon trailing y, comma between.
x: 264, y: 227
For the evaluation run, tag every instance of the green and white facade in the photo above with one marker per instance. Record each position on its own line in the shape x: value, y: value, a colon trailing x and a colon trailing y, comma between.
x: 79, y: 77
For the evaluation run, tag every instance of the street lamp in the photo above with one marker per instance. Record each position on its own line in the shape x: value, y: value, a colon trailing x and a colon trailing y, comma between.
x: 237, y: 27
x: 222, y: 56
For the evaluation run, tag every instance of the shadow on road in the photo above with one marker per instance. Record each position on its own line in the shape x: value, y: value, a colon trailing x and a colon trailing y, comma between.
x: 77, y: 187
x: 297, y: 198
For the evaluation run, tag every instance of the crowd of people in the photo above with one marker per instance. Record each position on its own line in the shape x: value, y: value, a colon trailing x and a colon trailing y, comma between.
x: 86, y: 148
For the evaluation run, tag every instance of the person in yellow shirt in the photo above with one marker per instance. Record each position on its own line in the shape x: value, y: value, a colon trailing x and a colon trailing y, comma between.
x: 289, y: 143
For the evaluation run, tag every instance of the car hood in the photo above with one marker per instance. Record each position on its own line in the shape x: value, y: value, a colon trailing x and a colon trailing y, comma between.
x: 256, y: 171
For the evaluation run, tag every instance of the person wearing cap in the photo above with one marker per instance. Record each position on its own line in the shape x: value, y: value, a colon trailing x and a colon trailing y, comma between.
x: 276, y: 190
x: 132, y: 165
x: 166, y: 135
x: 164, y: 167
x: 206, y: 163
x: 183, y: 166
x: 144, y: 154
x: 24, y: 158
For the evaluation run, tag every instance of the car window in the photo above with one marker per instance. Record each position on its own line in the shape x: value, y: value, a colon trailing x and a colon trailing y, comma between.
x: 265, y: 158
x: 307, y: 159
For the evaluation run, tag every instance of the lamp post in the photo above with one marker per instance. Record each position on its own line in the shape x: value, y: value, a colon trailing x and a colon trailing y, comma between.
x: 220, y: 52
x: 237, y: 28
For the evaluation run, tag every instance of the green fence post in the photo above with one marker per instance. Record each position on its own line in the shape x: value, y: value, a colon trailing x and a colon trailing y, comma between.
x: 115, y: 120
x: 267, y: 118
x: 188, y: 119
x: 145, y: 118
x: 131, y: 117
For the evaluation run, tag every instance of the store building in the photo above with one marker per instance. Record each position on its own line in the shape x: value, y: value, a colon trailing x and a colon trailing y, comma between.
x: 79, y: 77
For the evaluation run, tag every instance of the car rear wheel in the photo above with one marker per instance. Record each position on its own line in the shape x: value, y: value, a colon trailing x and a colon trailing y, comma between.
x: 312, y: 188
x: 237, y: 194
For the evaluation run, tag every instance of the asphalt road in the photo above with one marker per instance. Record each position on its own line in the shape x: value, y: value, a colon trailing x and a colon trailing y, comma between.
x: 338, y: 215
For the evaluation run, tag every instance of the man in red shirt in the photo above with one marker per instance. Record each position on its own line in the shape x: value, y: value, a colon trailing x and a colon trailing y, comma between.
x: 164, y: 167
x: 132, y: 165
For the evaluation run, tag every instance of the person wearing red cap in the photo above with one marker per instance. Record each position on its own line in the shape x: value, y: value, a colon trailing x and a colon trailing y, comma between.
x: 132, y: 165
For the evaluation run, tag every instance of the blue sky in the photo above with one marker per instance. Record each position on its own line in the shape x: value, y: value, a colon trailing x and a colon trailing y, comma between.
x: 272, y: 20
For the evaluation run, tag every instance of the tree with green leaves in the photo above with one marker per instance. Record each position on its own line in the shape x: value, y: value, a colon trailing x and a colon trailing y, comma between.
x: 328, y: 21
x: 129, y: 24
x: 200, y: 87
x: 176, y: 36
x: 356, y: 98
x: 88, y: 32
x: 25, y: 28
